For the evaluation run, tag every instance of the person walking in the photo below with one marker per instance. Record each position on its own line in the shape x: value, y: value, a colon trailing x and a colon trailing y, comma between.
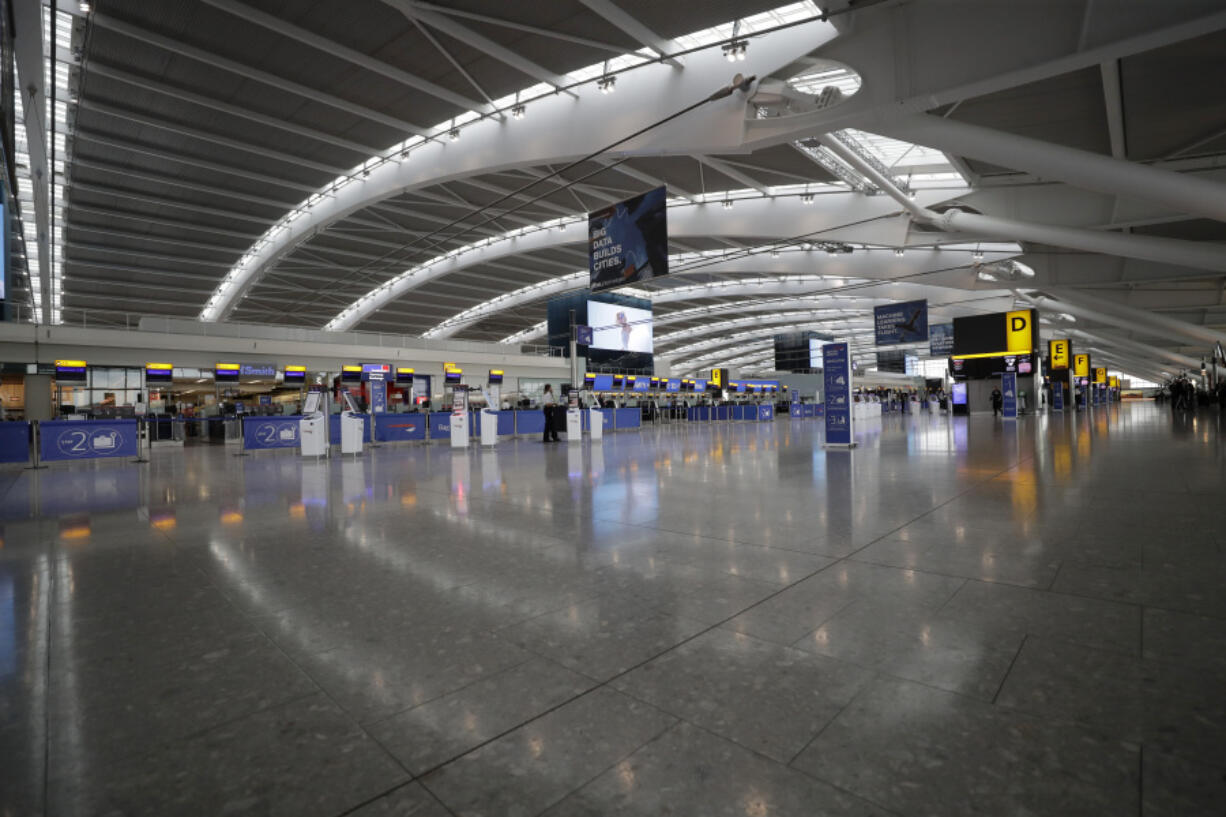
x: 550, y: 405
x: 998, y: 402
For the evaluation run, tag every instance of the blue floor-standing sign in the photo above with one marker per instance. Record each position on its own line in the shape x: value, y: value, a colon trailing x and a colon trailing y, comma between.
x: 260, y: 433
x: 1057, y: 397
x: 86, y: 439
x: 1008, y: 390
x: 837, y: 379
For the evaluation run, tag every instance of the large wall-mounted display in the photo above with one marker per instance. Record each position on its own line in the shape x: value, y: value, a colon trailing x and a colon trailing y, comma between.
x: 901, y: 323
x: 794, y: 351
x: 988, y: 345
x: 619, y: 328
x: 628, y: 241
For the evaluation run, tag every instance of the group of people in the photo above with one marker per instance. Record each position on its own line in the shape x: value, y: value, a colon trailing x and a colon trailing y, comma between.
x: 1185, y: 396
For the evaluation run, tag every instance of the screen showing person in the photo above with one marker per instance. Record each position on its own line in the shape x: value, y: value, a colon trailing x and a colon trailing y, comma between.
x: 620, y: 328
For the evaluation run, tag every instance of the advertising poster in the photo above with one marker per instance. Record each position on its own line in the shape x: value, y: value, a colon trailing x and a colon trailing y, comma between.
x: 1008, y: 390
x: 1057, y: 396
x: 901, y: 323
x: 836, y: 364
x: 941, y: 339
x: 628, y: 241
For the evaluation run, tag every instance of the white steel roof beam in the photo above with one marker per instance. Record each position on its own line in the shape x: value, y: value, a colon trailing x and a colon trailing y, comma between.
x: 498, y: 21
x: 630, y: 25
x: 732, y: 173
x: 469, y: 37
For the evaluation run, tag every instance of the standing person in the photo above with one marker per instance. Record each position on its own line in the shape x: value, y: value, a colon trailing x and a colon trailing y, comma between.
x: 550, y: 405
x: 998, y: 402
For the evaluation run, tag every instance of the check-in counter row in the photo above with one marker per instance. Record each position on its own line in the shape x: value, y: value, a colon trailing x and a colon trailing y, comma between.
x: 437, y: 424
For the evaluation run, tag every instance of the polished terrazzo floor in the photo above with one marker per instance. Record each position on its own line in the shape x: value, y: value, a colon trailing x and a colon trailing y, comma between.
x: 955, y: 618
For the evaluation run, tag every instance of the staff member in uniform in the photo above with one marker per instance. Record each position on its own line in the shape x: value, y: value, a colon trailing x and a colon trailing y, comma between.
x: 550, y: 406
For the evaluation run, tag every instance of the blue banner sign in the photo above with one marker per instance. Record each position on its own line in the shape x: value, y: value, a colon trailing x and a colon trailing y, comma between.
x: 836, y: 361
x: 941, y: 339
x: 583, y: 335
x: 261, y: 433
x: 378, y: 397
x: 400, y: 427
x: 86, y: 439
x: 1008, y: 390
x: 628, y: 241
x: 901, y: 323
x: 1057, y: 396
x: 14, y: 442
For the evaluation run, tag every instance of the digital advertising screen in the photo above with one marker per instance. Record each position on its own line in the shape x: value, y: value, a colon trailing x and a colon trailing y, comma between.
x: 794, y: 351
x: 628, y: 241
x: 901, y: 323
x: 620, y: 328
x: 959, y: 394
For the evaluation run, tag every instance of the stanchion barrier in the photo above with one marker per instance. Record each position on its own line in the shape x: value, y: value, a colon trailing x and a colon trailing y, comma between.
x: 36, y: 446
x: 142, y: 432
x: 242, y: 437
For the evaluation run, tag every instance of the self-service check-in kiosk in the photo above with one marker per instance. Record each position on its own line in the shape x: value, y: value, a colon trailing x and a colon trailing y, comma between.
x: 595, y: 422
x: 489, y: 414
x: 574, y: 418
x: 313, y: 427
x: 459, y: 417
x: 352, y: 426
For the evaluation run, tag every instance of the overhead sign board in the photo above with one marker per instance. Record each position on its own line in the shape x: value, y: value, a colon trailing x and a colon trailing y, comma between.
x: 1100, y: 375
x: 70, y: 371
x: 159, y: 373
x: 257, y: 370
x: 628, y: 241
x: 1081, y: 365
x: 901, y: 323
x: 1019, y: 331
x: 941, y: 339
x: 1059, y: 351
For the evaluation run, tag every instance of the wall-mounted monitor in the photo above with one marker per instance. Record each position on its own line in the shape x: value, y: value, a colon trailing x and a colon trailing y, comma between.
x: 404, y: 375
x: 71, y: 371
x: 959, y: 394
x: 452, y: 377
x: 159, y: 373
x: 351, y: 374
x: 495, y: 376
x: 226, y: 373
x: 620, y: 328
x: 619, y: 382
x: 295, y: 375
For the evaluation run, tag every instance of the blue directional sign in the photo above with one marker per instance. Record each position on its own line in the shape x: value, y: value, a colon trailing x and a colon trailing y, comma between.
x: 583, y: 335
x: 270, y: 432
x: 86, y: 439
x: 836, y: 360
x: 1008, y: 390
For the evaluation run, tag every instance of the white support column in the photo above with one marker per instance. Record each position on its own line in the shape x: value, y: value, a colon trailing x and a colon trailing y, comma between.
x: 28, y: 47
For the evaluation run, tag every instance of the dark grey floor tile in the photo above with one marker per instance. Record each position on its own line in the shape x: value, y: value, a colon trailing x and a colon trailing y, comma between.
x: 409, y: 800
x: 526, y: 771
x: 1175, y: 787
x: 1182, y: 638
x: 766, y: 697
x: 918, y: 644
x: 300, y: 759
x: 690, y: 771
x: 602, y: 638
x: 921, y: 751
x: 431, y: 734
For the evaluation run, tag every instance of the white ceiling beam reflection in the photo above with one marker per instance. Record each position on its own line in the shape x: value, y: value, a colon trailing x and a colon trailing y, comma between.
x: 734, y: 174
x: 283, y: 27
x: 208, y: 58
x: 559, y: 129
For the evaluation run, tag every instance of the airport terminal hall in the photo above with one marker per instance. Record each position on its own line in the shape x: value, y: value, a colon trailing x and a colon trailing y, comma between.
x: 642, y: 408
